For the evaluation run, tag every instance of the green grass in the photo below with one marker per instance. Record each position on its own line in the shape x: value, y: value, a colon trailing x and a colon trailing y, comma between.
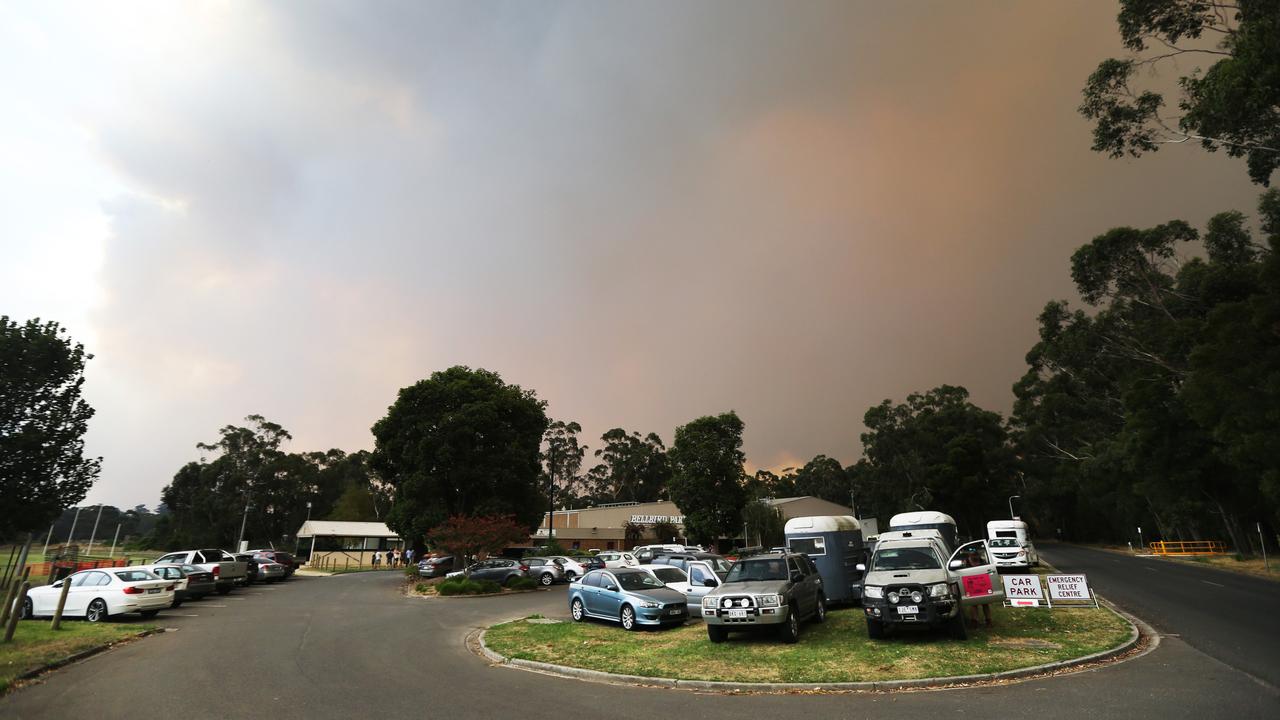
x: 836, y: 651
x: 35, y: 645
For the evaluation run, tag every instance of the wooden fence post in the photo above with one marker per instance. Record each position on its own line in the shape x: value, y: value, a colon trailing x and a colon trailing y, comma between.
x: 62, y: 602
x: 13, y: 616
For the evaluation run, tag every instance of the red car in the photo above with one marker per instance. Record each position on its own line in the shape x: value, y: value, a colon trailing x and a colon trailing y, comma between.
x: 289, y: 562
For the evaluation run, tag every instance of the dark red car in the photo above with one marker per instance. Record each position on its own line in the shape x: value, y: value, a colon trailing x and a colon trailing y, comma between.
x: 289, y: 562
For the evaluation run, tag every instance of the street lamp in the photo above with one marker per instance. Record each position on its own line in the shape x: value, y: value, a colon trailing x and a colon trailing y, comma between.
x: 1011, y: 515
x: 243, y: 520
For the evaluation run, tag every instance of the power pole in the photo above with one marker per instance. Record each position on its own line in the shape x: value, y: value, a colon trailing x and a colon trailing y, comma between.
x: 74, y: 520
x: 94, y: 534
x: 551, y: 498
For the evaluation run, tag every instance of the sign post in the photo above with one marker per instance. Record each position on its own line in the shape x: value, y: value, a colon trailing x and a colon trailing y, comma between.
x: 1070, y: 588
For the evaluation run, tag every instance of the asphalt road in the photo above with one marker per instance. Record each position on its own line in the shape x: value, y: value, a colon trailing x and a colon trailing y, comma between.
x: 1232, y: 618
x: 352, y: 647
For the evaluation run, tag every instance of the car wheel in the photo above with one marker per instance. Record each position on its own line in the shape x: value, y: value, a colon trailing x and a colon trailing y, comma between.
x: 546, y: 579
x: 149, y: 613
x: 628, y: 618
x: 97, y: 611
x: 577, y: 611
x: 820, y: 609
x: 28, y: 611
x: 224, y: 589
x: 717, y: 633
x: 875, y: 629
x: 569, y: 575
x: 789, y: 631
x: 176, y: 603
x: 957, y: 629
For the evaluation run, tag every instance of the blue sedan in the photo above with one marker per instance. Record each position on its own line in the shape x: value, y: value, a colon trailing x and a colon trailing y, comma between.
x: 629, y: 596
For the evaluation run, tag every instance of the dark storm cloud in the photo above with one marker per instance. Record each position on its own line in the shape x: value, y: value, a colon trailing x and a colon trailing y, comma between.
x: 646, y: 212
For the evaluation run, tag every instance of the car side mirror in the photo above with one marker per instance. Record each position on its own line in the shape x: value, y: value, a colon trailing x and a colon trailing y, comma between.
x: 860, y: 567
x: 58, y: 584
x: 797, y: 577
x: 956, y: 564
x: 611, y: 587
x: 710, y: 583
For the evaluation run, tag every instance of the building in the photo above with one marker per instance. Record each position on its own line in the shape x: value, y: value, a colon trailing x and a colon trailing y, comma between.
x: 337, y: 543
x: 605, y: 527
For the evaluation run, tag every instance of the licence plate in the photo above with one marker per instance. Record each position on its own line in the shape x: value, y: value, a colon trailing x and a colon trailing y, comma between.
x: 737, y: 613
x: 153, y: 591
x: 908, y: 610
x: 675, y: 611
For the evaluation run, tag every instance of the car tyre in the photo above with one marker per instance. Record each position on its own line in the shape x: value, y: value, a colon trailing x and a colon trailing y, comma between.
x: 875, y: 629
x: 820, y: 609
x: 28, y: 610
x: 546, y: 579
x: 570, y: 575
x: 577, y: 611
x: 789, y: 631
x: 176, y: 603
x: 96, y: 612
x: 224, y: 589
x: 957, y: 629
x: 628, y: 618
x: 149, y: 613
x: 717, y: 633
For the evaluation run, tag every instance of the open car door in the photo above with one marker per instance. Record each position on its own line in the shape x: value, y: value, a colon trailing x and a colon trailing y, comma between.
x: 979, y: 580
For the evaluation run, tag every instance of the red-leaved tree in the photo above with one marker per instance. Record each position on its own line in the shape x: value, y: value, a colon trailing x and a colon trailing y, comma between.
x: 469, y: 536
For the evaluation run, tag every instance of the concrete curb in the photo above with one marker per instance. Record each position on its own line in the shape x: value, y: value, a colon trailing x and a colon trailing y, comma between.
x: 475, y: 641
x: 504, y: 593
x: 90, y: 652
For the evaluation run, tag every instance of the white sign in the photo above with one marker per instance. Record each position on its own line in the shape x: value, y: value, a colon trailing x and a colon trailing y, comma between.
x: 651, y: 519
x: 1068, y: 587
x: 1023, y: 590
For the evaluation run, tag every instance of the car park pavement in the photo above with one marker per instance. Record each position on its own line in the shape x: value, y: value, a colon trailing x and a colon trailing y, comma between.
x: 354, y: 646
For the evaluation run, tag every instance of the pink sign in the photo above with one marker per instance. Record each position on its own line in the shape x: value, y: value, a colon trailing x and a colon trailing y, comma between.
x: 975, y: 585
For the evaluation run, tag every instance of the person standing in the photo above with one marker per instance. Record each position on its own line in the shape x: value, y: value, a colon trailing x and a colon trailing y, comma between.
x: 377, y: 557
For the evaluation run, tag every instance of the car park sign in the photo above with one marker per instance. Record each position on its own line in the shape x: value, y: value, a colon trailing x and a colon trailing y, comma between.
x: 1023, y: 590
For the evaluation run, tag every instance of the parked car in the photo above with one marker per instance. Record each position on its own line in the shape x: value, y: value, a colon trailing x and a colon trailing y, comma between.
x: 589, y: 563
x: 672, y: 577
x: 227, y: 571
x: 268, y: 569
x: 572, y: 568
x: 646, y: 553
x: 97, y: 595
x: 545, y: 570
x: 290, y: 563
x: 706, y: 572
x: 251, y: 575
x: 908, y: 582
x: 776, y: 590
x: 616, y: 559
x: 629, y: 596
x: 499, y: 570
x: 1012, y: 553
x: 190, y: 582
x: 435, y: 566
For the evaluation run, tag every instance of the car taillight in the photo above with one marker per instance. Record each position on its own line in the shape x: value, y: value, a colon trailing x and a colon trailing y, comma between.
x: 133, y: 590
x: 524, y: 568
x: 170, y: 587
x: 217, y: 571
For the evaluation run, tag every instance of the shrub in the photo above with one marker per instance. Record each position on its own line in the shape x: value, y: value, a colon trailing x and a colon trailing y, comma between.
x: 463, y: 586
x: 523, y: 583
x: 422, y: 587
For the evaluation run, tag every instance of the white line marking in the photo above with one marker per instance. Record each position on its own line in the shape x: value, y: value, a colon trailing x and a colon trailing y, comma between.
x: 1207, y: 582
x: 1151, y: 569
x: 179, y: 615
x: 203, y: 605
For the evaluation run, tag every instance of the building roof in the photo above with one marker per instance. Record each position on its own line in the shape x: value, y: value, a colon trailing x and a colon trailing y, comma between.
x: 340, y: 528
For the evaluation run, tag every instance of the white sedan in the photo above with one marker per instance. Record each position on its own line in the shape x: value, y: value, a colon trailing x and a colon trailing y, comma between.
x: 572, y: 568
x: 615, y: 559
x: 99, y: 594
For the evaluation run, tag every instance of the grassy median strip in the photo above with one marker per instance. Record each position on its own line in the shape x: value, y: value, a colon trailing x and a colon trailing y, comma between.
x: 836, y: 651
x: 34, y: 645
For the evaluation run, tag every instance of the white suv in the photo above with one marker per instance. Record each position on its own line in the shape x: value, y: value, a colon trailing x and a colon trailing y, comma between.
x: 615, y: 559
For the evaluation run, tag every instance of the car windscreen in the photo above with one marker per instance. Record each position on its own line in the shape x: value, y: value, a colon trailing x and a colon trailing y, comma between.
x: 754, y: 570
x: 1004, y: 542
x: 638, y: 581
x: 670, y: 574
x: 135, y: 575
x: 906, y: 558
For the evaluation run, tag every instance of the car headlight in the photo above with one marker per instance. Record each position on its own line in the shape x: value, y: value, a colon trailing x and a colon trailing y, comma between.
x: 917, y: 596
x: 650, y: 604
x: 708, y: 602
x: 769, y: 600
x: 941, y: 590
x: 875, y: 592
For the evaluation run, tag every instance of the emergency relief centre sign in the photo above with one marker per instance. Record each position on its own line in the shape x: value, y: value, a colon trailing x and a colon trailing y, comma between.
x: 1068, y: 587
x: 1023, y: 590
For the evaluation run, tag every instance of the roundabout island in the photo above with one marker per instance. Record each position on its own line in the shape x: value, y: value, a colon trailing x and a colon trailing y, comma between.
x: 834, y: 655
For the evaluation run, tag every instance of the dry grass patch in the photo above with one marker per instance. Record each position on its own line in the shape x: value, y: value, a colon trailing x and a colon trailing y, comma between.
x: 836, y: 651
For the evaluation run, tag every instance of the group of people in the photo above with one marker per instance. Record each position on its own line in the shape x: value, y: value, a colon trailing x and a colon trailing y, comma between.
x: 393, y: 558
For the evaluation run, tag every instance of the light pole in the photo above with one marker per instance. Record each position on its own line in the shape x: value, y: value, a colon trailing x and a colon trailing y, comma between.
x: 74, y: 520
x: 243, y: 520
x: 1011, y: 515
x: 94, y: 535
x: 551, y: 498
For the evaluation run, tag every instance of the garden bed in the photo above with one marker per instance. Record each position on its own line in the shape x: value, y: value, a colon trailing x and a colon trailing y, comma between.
x: 836, y: 651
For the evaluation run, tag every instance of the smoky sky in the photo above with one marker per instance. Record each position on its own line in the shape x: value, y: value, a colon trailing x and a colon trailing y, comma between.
x: 646, y: 212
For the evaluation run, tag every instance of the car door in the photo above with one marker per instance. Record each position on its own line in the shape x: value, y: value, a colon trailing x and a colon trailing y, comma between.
x: 484, y: 570
x: 591, y: 591
x: 701, y: 581
x: 979, y: 580
x: 81, y: 592
x: 629, y: 560
x: 801, y: 587
x: 611, y: 595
